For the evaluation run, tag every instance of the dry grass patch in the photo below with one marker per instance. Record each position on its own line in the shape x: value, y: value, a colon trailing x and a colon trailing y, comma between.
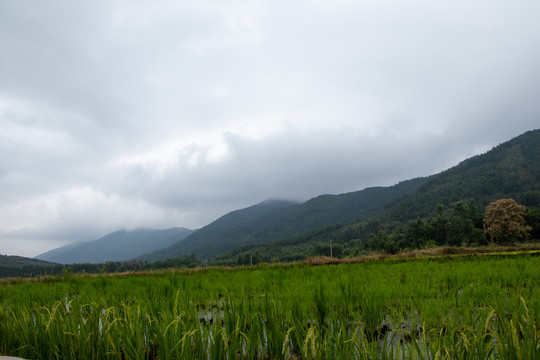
x: 441, y: 251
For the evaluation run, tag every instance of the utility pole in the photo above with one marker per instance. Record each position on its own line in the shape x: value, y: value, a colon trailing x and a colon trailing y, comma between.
x: 331, y: 249
x: 251, y: 260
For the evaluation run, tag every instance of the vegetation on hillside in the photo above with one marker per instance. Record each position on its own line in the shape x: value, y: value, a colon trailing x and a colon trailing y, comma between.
x: 19, y: 261
x: 461, y: 226
x: 510, y: 170
x: 275, y: 219
x: 447, y: 209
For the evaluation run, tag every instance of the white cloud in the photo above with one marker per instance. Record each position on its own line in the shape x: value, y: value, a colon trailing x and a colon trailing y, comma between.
x: 79, y: 214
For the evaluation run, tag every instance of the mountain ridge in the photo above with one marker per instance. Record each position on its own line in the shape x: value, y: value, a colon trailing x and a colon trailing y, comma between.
x: 275, y: 219
x: 120, y: 245
x: 510, y: 169
x: 19, y: 261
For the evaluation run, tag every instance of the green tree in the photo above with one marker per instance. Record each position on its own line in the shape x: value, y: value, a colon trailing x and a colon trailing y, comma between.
x: 461, y: 225
x: 504, y: 221
x: 377, y: 241
x: 437, y: 227
x: 415, y: 236
x: 533, y: 220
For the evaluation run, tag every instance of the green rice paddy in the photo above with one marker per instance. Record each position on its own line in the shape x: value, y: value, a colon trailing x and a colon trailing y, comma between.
x: 476, y: 307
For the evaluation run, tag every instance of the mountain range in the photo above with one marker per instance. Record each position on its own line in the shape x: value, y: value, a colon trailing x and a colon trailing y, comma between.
x: 275, y: 219
x: 511, y: 169
x: 120, y: 245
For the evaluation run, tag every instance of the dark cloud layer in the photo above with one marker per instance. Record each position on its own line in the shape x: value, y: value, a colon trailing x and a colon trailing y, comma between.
x: 162, y: 113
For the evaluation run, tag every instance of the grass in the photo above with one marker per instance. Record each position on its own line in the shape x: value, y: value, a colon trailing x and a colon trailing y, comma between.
x: 474, y: 307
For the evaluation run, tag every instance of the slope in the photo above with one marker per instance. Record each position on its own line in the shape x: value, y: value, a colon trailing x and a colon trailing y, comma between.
x: 13, y: 260
x: 509, y: 170
x: 225, y: 233
x: 117, y: 246
x: 276, y: 219
x: 14, y: 266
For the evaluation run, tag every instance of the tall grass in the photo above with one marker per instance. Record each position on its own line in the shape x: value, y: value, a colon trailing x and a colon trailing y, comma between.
x: 474, y: 308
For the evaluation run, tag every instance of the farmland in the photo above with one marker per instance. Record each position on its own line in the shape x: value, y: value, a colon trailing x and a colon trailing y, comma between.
x: 482, y: 306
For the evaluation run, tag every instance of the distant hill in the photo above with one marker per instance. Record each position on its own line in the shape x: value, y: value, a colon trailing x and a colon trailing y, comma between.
x: 118, y: 246
x: 15, y: 261
x: 15, y: 266
x: 276, y: 219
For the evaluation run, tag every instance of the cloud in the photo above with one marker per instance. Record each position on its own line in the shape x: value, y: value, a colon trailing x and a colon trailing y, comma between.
x: 74, y: 215
x: 165, y: 113
x: 292, y: 164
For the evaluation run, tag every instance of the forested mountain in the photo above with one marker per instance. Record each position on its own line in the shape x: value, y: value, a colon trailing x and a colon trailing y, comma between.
x: 509, y: 170
x: 446, y: 209
x: 118, y: 246
x: 227, y: 232
x: 276, y: 219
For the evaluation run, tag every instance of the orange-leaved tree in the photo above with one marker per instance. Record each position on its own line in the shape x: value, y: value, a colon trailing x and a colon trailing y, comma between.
x: 504, y: 222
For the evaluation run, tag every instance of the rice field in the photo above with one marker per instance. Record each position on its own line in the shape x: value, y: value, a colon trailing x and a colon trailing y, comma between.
x: 478, y: 307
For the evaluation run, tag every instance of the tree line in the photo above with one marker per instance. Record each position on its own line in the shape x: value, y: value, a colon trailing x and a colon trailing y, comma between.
x: 32, y: 270
x: 504, y: 222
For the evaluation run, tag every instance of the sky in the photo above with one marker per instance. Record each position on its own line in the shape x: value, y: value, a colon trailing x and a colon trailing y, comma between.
x: 128, y: 114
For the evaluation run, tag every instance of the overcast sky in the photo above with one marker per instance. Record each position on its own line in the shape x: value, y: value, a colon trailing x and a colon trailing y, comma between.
x: 128, y: 114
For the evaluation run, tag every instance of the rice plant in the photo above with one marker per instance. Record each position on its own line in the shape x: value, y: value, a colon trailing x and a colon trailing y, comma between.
x: 472, y: 308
